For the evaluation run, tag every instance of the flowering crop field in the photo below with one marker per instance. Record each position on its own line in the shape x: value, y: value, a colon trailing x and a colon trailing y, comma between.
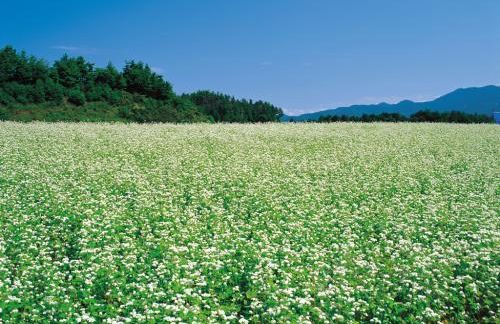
x: 339, y: 222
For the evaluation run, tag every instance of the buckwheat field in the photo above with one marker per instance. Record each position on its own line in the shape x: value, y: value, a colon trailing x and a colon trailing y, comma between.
x: 338, y: 222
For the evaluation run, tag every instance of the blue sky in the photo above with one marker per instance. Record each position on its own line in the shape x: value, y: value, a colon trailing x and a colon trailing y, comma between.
x: 301, y: 55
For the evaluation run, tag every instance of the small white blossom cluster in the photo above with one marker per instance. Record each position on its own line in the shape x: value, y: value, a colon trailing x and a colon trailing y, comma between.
x: 273, y: 223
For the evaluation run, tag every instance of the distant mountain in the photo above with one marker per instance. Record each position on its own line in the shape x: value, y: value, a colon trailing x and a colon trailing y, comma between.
x: 481, y: 100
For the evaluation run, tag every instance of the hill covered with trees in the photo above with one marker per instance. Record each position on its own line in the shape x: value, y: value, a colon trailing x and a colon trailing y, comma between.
x: 475, y: 100
x: 72, y: 89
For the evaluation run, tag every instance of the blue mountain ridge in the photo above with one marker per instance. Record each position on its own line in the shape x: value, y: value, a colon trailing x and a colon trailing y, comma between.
x: 479, y: 100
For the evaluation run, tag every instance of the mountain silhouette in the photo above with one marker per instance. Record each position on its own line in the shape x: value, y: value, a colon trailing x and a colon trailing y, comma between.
x: 475, y: 100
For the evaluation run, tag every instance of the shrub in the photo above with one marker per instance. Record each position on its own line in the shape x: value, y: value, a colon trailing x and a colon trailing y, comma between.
x: 5, y: 98
x: 4, y: 115
x: 54, y: 92
x: 76, y: 97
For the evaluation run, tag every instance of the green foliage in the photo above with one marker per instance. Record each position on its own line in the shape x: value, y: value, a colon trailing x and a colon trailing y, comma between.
x: 224, y: 108
x: 54, y: 92
x: 5, y: 98
x: 140, y: 94
x: 99, y: 92
x: 91, y: 111
x: 76, y: 97
x: 30, y: 69
x: 21, y: 93
x: 419, y: 116
x: 4, y: 114
x: 141, y: 80
x: 39, y: 91
x: 8, y: 64
x: 449, y: 117
x: 73, y: 72
x: 110, y: 76
x: 188, y: 111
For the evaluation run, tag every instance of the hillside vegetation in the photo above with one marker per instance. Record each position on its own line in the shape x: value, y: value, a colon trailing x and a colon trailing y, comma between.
x: 261, y: 223
x: 72, y: 89
x: 418, y: 117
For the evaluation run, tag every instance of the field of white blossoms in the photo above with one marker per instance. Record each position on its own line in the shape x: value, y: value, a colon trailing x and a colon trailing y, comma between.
x: 249, y: 223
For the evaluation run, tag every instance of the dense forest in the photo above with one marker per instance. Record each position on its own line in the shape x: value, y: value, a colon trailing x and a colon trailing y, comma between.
x: 72, y: 89
x: 226, y: 108
x: 419, y: 116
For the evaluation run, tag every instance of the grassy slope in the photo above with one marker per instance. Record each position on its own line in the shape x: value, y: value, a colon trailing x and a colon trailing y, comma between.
x: 91, y: 112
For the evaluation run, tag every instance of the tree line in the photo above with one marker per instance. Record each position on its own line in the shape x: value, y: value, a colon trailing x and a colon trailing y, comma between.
x: 419, y: 116
x: 224, y: 107
x: 74, y: 89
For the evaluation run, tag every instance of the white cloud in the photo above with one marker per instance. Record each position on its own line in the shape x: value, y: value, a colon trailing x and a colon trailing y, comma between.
x: 66, y: 48
x: 266, y: 63
x: 75, y: 49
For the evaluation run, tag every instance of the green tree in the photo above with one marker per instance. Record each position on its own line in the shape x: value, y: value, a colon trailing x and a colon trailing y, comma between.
x: 140, y: 79
x: 224, y: 108
x: 54, y: 92
x: 30, y: 69
x: 8, y: 64
x: 76, y: 97
x: 109, y: 76
x: 72, y: 72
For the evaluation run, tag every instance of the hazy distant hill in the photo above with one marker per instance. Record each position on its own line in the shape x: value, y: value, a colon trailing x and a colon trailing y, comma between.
x: 481, y: 100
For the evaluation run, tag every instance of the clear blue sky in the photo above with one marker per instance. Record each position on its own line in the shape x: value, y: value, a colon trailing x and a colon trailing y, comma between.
x: 301, y: 55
